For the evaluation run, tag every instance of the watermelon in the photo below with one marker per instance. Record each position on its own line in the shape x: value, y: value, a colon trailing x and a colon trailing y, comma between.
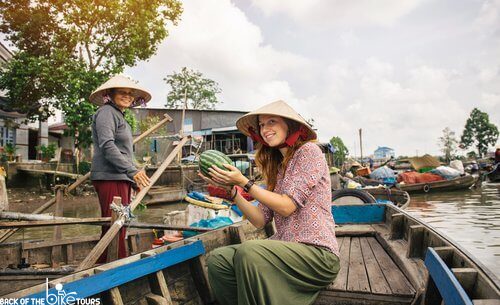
x: 213, y: 157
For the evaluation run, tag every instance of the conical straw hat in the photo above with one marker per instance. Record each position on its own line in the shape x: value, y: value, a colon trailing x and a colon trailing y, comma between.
x: 120, y: 81
x: 279, y: 108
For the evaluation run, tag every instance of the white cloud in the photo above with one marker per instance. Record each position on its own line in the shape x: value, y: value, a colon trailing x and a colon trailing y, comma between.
x: 402, y: 103
x: 216, y: 38
x: 339, y: 12
x: 406, y: 113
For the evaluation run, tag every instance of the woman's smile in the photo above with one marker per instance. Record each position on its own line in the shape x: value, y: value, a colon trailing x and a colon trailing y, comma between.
x: 273, y: 129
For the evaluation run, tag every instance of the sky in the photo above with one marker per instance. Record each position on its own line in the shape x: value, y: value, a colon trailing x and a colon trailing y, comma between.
x: 401, y: 71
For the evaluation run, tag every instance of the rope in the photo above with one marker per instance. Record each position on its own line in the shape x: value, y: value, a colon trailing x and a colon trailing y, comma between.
x: 123, y: 211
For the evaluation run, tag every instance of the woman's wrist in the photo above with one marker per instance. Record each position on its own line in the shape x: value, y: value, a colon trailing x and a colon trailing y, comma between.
x: 243, y: 181
x: 234, y: 192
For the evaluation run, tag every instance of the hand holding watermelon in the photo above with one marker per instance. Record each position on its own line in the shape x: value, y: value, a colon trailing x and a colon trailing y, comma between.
x: 217, y: 169
x: 230, y: 176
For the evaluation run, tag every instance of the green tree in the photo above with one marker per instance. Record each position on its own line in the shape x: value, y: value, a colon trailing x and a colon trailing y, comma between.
x: 448, y: 144
x: 201, y: 93
x: 341, y: 150
x: 479, y: 132
x: 66, y: 48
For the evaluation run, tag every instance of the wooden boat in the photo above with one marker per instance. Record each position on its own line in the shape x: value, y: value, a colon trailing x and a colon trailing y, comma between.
x: 459, y: 183
x: 398, y: 197
x: 387, y: 257
x: 371, y: 195
x: 164, y: 194
x: 494, y: 175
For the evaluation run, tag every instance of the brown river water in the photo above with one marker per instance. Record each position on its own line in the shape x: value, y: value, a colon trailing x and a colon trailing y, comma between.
x: 471, y: 218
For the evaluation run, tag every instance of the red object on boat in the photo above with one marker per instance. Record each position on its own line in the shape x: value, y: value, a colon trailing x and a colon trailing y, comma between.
x: 216, y: 191
x: 414, y: 177
x: 157, y: 242
x: 171, y: 238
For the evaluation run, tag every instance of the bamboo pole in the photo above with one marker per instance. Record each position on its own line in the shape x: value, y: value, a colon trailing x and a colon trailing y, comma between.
x: 99, y: 221
x: 91, y: 259
x: 8, y: 233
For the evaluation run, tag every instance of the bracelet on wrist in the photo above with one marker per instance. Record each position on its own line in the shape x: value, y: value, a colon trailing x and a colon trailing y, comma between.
x: 236, y: 191
x: 249, y: 185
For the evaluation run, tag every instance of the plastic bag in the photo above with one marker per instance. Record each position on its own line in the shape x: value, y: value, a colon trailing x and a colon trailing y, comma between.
x: 382, y: 172
x: 458, y: 165
x: 446, y: 172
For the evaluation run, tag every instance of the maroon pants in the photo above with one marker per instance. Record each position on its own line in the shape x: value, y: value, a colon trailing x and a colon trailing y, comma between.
x: 106, y: 190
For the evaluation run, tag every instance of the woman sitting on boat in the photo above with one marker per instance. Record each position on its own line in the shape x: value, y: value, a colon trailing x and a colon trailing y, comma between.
x: 113, y: 170
x: 302, y: 257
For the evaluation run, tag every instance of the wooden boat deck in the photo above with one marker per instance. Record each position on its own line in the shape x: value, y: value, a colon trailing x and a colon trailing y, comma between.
x: 368, y: 274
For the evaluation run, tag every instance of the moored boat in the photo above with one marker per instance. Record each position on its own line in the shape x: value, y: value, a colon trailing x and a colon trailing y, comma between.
x: 398, y: 197
x: 387, y: 257
x: 459, y: 183
x: 494, y: 175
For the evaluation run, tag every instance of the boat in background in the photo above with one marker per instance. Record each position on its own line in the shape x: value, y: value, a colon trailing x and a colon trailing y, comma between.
x: 387, y: 257
x: 494, y: 175
x: 459, y: 183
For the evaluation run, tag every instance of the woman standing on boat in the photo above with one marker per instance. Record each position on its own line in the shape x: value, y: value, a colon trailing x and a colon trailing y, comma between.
x: 302, y: 257
x: 113, y: 170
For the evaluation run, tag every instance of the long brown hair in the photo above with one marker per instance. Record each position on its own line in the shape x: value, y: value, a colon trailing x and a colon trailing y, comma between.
x: 270, y: 160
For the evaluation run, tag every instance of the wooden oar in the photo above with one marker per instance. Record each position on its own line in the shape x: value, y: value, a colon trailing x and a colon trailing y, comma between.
x: 93, y: 256
x: 7, y: 233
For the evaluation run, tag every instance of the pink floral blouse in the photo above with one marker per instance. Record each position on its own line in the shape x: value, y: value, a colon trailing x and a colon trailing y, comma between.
x: 307, y: 182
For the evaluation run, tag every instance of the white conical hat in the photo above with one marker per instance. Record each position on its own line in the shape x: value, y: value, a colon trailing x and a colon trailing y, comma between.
x: 279, y: 108
x: 119, y: 81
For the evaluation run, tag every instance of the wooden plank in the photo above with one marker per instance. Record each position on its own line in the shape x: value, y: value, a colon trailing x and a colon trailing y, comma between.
x: 366, y: 213
x: 431, y: 294
x: 357, y: 279
x: 355, y: 230
x: 397, y: 281
x: 237, y: 233
x: 93, y: 256
x: 467, y: 277
x: 340, y: 282
x: 132, y: 240
x: 154, y: 299
x: 450, y: 289
x: 112, y: 252
x: 115, y: 296
x: 67, y: 241
x: 446, y: 254
x: 486, y: 302
x: 198, y: 267
x: 49, y: 172
x: 94, y: 284
x: 56, y: 255
x: 397, y: 226
x: 329, y: 297
x: 60, y: 222
x: 415, y: 241
x: 4, y: 199
x: 159, y: 286
x: 378, y: 283
x: 414, y: 269
x: 70, y: 257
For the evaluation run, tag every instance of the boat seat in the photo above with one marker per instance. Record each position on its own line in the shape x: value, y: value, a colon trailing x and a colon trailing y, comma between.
x: 367, y: 275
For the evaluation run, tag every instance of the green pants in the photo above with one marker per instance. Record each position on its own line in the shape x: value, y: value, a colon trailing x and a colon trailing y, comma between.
x: 270, y: 272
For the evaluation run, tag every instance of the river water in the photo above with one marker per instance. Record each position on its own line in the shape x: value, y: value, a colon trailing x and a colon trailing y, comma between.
x: 469, y: 217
